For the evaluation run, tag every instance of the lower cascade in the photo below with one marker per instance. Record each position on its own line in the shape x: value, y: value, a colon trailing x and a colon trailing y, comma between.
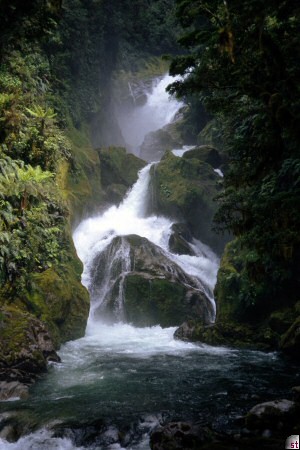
x: 132, y: 275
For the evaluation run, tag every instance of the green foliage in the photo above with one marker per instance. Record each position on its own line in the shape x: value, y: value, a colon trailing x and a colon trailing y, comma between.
x: 31, y: 222
x: 242, y: 64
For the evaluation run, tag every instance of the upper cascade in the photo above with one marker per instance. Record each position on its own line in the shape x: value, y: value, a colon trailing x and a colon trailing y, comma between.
x: 159, y: 110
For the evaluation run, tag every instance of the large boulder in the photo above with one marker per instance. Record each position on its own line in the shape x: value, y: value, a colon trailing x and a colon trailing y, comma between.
x: 185, y: 189
x: 119, y: 171
x: 180, y: 240
x: 156, y: 143
x: 246, y: 316
x: 139, y: 283
x: 273, y: 415
x: 33, y: 326
x: 181, y: 436
x: 25, y: 348
x: 207, y: 154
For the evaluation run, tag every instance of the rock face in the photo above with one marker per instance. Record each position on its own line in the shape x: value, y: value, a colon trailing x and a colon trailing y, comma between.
x: 207, y: 154
x: 290, y: 341
x: 272, y: 415
x: 25, y: 348
x: 34, y: 326
x: 185, y: 188
x: 259, y: 324
x: 181, y: 435
x: 181, y: 239
x: 226, y: 333
x: 119, y: 171
x: 158, y: 142
x: 145, y: 286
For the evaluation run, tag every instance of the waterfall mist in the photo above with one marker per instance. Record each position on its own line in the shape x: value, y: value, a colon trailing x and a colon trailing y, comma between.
x: 159, y: 110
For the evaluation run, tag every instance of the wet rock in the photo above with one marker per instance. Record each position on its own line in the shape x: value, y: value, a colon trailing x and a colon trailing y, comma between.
x: 156, y: 143
x: 87, y: 433
x: 13, y: 389
x: 15, y: 424
x: 185, y: 332
x: 277, y: 414
x: 296, y: 393
x: 119, y: 167
x: 228, y: 334
x: 181, y: 436
x: 184, y: 189
x: 144, y: 286
x: 25, y: 348
x: 7, y: 427
x: 206, y: 153
x: 290, y: 341
x: 180, y: 240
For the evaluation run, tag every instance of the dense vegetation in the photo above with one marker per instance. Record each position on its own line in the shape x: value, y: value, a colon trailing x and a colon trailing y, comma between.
x: 243, y: 66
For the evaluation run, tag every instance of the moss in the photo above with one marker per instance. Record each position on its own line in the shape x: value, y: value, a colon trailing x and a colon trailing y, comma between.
x: 229, y: 334
x: 154, y: 301
x: 18, y: 343
x: 243, y: 303
x: 63, y: 303
x: 79, y: 178
x: 119, y: 167
x: 185, y: 189
x: 207, y: 154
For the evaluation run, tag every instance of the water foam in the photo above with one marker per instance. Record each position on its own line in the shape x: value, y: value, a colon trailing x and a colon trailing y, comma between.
x: 94, y: 234
x: 159, y: 110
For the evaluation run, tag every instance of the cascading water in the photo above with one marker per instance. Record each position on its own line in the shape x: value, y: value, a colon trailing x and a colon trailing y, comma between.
x: 94, y: 235
x: 159, y: 110
x: 119, y: 382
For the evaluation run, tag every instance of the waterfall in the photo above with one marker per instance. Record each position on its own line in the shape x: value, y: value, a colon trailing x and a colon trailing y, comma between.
x: 119, y: 382
x: 94, y: 235
x: 159, y: 110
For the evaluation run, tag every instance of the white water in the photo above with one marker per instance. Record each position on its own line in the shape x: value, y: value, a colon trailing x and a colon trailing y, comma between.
x: 94, y: 234
x: 159, y: 110
x: 41, y: 439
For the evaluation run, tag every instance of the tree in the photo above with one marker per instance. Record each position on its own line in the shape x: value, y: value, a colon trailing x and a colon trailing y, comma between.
x: 243, y: 65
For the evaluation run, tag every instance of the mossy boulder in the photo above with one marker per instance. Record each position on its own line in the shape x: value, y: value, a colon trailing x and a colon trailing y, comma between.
x: 205, y: 153
x: 156, y: 143
x: 228, y: 334
x: 25, y: 348
x: 36, y: 321
x: 180, y: 240
x: 62, y: 302
x: 143, y: 286
x: 246, y: 318
x: 184, y: 189
x: 119, y: 171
